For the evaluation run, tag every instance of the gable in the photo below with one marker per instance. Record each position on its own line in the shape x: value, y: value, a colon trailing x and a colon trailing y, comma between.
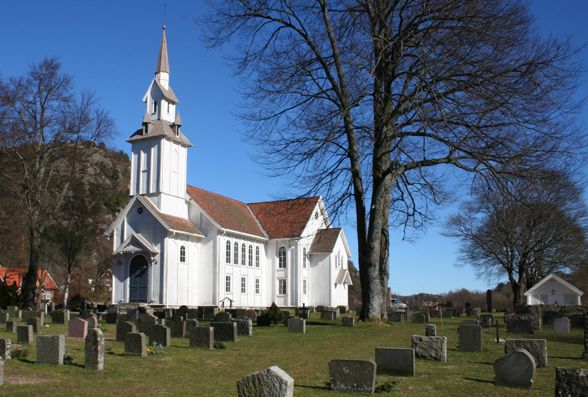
x: 11, y: 275
x: 284, y: 218
x: 324, y: 240
x: 135, y: 244
x: 553, y: 279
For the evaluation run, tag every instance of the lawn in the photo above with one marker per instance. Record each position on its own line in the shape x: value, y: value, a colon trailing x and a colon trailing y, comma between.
x: 182, y: 371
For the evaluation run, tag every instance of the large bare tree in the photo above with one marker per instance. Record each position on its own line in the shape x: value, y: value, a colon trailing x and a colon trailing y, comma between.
x: 371, y: 102
x: 42, y: 122
x: 523, y: 229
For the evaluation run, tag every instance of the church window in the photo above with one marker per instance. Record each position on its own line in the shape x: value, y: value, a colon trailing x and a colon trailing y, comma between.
x: 250, y: 257
x: 243, y: 285
x: 144, y: 181
x: 182, y: 254
x: 228, y: 252
x: 256, y: 256
x: 168, y: 108
x: 243, y: 253
x: 228, y: 284
x: 304, y: 257
x: 305, y: 286
x: 154, y: 107
x: 336, y: 261
x: 282, y: 258
x: 282, y: 286
x: 236, y: 253
x: 257, y: 286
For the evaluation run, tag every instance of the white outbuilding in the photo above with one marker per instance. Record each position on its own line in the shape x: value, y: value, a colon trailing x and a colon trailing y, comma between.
x: 553, y: 290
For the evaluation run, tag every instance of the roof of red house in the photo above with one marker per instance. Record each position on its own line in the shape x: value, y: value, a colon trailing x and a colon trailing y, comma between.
x: 284, y: 218
x: 11, y: 275
x: 228, y: 213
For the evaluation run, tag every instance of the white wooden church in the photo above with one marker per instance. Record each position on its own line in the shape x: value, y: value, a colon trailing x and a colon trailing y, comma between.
x: 176, y: 244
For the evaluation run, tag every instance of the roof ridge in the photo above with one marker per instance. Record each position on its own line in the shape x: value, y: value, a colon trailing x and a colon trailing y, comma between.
x: 217, y: 194
x: 283, y: 200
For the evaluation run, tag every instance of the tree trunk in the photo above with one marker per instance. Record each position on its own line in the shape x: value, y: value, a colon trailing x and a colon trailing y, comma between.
x: 66, y: 289
x: 30, y: 280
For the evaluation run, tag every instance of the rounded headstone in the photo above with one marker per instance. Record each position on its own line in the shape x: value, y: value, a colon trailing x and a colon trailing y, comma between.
x: 516, y: 369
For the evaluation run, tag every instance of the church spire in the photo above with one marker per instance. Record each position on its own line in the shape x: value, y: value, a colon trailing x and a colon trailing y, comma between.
x: 162, y: 61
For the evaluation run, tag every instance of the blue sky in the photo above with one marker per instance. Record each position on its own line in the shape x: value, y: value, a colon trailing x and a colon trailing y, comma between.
x: 110, y: 47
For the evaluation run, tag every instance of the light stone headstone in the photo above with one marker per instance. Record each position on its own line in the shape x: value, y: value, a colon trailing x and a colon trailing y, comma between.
x: 561, y: 326
x: 50, y: 349
x: 11, y: 326
x: 570, y: 382
x: 536, y: 347
x: 202, y: 337
x: 136, y: 344
x: 353, y: 375
x: 94, y: 349
x: 395, y: 361
x: 430, y: 330
x: 470, y: 338
x: 77, y: 328
x: 244, y: 326
x: 486, y: 320
x: 476, y: 311
x: 516, y: 369
x: 348, y: 321
x: 270, y: 382
x: 123, y: 328
x: 24, y: 334
x: 5, y: 349
x: 160, y: 334
x: 297, y: 325
x: 225, y: 331
x: 430, y: 347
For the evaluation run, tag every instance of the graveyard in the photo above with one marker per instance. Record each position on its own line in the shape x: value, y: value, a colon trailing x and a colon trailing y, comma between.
x: 304, y: 351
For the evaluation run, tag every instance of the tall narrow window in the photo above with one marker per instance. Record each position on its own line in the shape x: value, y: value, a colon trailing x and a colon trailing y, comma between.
x: 182, y: 254
x: 305, y: 286
x: 243, y: 254
x: 236, y: 253
x: 282, y: 258
x: 250, y: 256
x: 228, y: 284
x: 243, y: 285
x: 144, y: 180
x: 304, y: 257
x: 154, y: 107
x: 336, y: 261
x: 228, y: 252
x: 257, y: 286
x: 256, y: 256
x: 282, y: 286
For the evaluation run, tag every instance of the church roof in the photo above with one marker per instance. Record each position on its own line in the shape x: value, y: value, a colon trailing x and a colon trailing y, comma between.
x: 162, y: 60
x: 168, y: 93
x: 136, y: 243
x: 324, y: 240
x: 284, y: 218
x: 173, y: 222
x: 158, y: 128
x: 228, y: 213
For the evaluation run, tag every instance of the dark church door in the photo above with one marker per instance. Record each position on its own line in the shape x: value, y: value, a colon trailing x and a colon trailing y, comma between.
x: 138, y: 279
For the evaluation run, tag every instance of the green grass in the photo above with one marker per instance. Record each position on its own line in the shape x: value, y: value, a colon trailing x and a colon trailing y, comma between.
x: 193, y: 372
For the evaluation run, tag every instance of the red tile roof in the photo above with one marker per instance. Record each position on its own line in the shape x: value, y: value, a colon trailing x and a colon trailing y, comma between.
x: 226, y: 212
x: 284, y: 218
x: 11, y: 275
x: 324, y: 240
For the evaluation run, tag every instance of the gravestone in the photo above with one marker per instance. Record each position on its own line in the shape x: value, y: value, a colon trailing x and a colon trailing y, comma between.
x: 297, y: 325
x: 244, y: 326
x: 2, y: 366
x: 447, y: 313
x: 92, y: 320
x: 11, y: 326
x: 271, y: 382
x: 168, y: 313
x: 470, y: 338
x: 395, y: 317
x: 190, y: 325
x: 571, y: 382
x: 458, y: 312
x: 430, y: 347
x: 329, y: 314
x: 420, y: 318
x: 303, y: 312
x: 285, y: 320
x: 77, y: 328
x: 516, y: 369
x: 486, y: 320
x: 476, y: 311
x: 468, y: 309
x: 585, y: 354
x: 342, y: 309
x: 489, y: 305
x: 395, y: 361
x: 202, y: 337
x: 111, y: 317
x: 4, y: 317
x: 50, y: 349
x: 206, y: 312
x: 535, y: 347
x: 348, y: 322
x: 60, y: 316
x: 430, y: 330
x: 561, y: 326
x: 225, y: 331
x: 160, y: 334
x: 192, y: 314
x: 177, y: 328
x: 136, y: 344
x: 223, y: 317
x: 14, y: 312
x: 520, y: 323
x: 132, y: 314
x: 5, y: 349
x: 24, y: 334
x: 28, y: 314
x: 34, y: 322
x: 94, y: 349
x: 123, y: 328
x: 145, y: 322
x: 352, y: 375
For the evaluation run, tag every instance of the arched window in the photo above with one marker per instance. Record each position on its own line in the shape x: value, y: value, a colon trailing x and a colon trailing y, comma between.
x: 236, y: 253
x: 182, y: 254
x: 256, y: 256
x: 228, y: 252
x: 250, y: 257
x: 243, y: 253
x: 304, y: 257
x: 282, y: 258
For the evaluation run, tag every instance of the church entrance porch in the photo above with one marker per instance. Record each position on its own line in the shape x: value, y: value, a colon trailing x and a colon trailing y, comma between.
x: 138, y: 272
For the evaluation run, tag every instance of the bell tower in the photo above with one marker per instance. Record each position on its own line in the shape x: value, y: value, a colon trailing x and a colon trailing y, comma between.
x: 159, y: 147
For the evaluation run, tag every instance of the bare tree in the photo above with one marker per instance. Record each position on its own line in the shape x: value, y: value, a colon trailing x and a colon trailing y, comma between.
x: 523, y: 229
x: 42, y: 123
x: 369, y: 102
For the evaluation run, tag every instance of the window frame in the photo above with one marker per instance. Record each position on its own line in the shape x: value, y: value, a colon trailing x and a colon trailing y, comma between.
x: 304, y: 286
x: 243, y: 255
x: 257, y: 286
x: 228, y: 284
x: 243, y: 284
x: 228, y: 249
x: 282, y: 286
x: 257, y: 256
x: 282, y: 258
x: 182, y: 254
x: 250, y: 255
x: 236, y: 253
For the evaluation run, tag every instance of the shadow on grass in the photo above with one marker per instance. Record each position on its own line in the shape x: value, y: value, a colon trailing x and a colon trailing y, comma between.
x: 480, y: 380
x: 480, y: 362
x: 320, y: 323
x: 327, y: 387
x: 26, y: 360
x: 567, y: 358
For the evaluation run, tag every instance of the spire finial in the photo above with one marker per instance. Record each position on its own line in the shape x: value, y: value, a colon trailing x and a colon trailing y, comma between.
x: 162, y: 60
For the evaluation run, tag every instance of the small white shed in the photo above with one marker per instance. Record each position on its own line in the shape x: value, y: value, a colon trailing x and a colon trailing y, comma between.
x: 553, y: 290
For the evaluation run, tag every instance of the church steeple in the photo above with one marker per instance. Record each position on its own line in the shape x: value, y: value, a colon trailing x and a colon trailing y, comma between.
x: 162, y: 60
